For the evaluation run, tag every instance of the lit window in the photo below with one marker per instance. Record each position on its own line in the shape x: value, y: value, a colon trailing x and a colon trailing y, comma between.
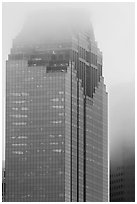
x: 57, y: 150
x: 19, y: 144
x: 54, y: 99
x: 52, y: 135
x: 60, y: 135
x: 19, y: 123
x: 17, y: 152
x: 14, y: 108
x: 58, y: 106
x: 19, y: 116
x: 22, y: 137
x: 57, y: 121
x: 19, y: 101
x: 60, y: 114
x: 61, y: 92
x: 53, y: 143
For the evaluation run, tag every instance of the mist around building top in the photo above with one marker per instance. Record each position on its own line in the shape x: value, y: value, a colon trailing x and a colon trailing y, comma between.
x: 56, y: 23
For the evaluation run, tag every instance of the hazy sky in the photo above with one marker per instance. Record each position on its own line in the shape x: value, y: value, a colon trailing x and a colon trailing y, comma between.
x: 113, y: 25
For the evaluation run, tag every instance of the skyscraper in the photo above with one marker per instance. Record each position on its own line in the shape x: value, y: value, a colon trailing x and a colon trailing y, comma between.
x: 56, y: 112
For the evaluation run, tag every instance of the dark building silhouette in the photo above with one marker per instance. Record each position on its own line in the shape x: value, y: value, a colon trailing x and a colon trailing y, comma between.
x: 122, y: 178
x: 56, y: 112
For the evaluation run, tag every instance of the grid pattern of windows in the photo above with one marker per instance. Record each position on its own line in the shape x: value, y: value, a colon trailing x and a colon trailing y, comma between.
x: 122, y: 180
x: 56, y: 122
x: 35, y: 159
x: 96, y: 165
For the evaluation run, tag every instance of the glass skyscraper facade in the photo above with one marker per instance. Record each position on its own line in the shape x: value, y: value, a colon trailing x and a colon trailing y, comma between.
x: 56, y: 116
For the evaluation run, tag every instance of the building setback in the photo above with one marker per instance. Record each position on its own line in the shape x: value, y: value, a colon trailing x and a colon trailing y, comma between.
x: 56, y: 115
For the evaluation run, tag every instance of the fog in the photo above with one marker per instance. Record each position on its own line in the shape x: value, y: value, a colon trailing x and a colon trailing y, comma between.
x: 122, y: 134
x: 113, y: 25
x: 56, y: 23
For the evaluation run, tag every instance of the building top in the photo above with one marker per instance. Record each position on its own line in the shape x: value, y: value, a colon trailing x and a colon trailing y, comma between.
x: 56, y: 24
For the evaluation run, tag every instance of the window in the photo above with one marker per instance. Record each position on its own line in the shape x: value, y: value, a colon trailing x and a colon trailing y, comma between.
x: 61, y: 114
x: 58, y: 106
x: 19, y: 116
x: 19, y: 101
x: 19, y: 144
x: 57, y: 121
x: 54, y: 99
x: 14, y: 108
x: 52, y: 135
x: 22, y: 137
x: 53, y: 143
x: 17, y: 152
x: 19, y: 123
x: 57, y: 150
x: 61, y: 92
